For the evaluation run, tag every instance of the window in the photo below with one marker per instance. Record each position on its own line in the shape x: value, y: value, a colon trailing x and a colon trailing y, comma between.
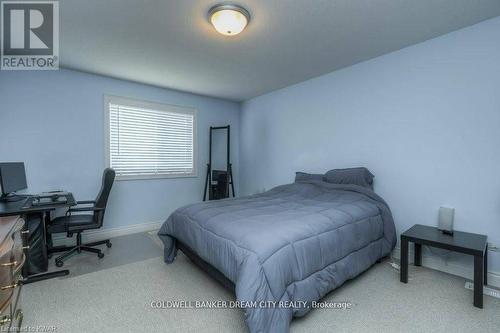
x: 149, y: 140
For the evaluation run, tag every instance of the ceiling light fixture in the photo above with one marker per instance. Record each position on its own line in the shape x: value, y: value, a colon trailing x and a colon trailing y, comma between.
x: 227, y: 19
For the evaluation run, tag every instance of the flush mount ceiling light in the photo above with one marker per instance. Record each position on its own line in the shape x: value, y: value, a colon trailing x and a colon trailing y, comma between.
x: 228, y: 20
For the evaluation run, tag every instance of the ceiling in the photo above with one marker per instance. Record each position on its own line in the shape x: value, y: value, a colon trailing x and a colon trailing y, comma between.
x: 169, y: 43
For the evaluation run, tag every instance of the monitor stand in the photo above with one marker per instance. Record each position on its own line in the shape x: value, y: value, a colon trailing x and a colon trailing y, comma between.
x: 12, y: 198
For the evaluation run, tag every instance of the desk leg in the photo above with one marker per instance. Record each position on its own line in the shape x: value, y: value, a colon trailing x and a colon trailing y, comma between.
x: 45, y: 223
x: 45, y: 219
x: 48, y: 237
x: 485, y: 267
x: 403, y: 268
x: 25, y: 238
x: 417, y: 260
x: 45, y: 276
x: 478, y: 280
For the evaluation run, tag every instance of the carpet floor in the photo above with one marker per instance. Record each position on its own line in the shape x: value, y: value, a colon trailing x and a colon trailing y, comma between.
x: 118, y: 300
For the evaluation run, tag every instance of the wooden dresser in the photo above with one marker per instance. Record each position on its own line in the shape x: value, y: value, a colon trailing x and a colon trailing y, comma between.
x: 12, y: 258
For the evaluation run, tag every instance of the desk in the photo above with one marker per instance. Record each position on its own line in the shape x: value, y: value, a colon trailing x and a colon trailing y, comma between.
x: 22, y: 208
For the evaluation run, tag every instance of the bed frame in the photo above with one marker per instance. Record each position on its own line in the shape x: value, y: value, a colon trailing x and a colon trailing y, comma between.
x: 205, y: 266
x: 214, y: 272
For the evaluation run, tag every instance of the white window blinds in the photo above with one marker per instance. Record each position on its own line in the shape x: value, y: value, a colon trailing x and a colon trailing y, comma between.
x: 147, y: 140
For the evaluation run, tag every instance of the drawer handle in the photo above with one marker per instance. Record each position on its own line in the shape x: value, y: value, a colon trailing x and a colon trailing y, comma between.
x: 12, y: 286
x: 24, y: 232
x: 8, y: 264
x: 25, y: 247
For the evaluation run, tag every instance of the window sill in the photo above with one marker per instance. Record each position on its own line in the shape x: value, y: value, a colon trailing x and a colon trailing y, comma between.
x: 146, y: 177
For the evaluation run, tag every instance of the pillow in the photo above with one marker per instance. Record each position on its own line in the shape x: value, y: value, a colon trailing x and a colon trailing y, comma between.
x: 308, y: 176
x: 356, y: 176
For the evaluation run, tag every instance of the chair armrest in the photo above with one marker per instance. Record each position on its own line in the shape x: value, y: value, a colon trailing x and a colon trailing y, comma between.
x: 85, y: 202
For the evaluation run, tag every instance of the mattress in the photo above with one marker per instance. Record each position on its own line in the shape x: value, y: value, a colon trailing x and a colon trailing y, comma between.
x: 287, y: 247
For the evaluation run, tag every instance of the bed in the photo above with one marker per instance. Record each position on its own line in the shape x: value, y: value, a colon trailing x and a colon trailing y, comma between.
x: 288, y: 247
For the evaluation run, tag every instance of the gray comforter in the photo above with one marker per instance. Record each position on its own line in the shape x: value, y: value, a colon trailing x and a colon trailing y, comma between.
x: 296, y: 242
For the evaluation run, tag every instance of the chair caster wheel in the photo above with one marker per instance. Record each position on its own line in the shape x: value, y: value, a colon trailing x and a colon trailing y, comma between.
x: 108, y: 244
x: 100, y: 255
x: 59, y: 263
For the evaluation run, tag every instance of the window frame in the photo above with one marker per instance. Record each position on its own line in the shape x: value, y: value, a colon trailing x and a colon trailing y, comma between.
x: 112, y: 99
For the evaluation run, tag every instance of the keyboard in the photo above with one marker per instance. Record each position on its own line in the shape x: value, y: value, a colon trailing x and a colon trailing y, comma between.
x: 47, y: 200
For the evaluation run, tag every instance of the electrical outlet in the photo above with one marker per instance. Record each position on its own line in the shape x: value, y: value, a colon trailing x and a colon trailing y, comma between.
x: 493, y: 247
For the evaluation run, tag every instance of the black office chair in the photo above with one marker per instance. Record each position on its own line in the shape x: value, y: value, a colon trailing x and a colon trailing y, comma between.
x: 77, y: 223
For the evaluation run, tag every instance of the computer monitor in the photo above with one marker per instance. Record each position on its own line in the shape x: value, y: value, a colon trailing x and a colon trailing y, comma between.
x: 12, y: 178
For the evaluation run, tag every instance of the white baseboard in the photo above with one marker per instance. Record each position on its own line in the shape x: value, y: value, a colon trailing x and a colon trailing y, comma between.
x: 100, y: 234
x: 438, y: 264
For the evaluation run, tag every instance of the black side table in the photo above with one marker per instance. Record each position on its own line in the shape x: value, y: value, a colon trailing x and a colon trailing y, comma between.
x: 463, y: 242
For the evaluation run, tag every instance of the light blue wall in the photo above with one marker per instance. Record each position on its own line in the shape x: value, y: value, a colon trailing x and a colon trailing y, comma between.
x: 425, y: 120
x: 53, y: 121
